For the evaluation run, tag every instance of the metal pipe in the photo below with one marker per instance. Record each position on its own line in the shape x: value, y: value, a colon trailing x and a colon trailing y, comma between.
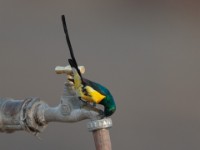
x: 19, y: 115
x: 102, y: 139
x: 101, y: 133
x: 33, y: 115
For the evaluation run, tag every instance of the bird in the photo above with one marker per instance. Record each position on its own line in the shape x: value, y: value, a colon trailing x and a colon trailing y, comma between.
x: 87, y: 90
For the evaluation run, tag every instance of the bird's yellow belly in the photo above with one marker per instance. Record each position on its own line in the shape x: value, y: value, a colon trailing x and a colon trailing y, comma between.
x: 93, y: 95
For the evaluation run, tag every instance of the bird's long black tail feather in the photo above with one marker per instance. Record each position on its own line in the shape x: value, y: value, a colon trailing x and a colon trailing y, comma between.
x: 72, y: 61
x: 68, y: 40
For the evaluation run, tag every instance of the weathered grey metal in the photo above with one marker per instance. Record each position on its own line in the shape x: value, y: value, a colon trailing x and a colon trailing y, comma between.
x: 71, y: 109
x: 19, y: 115
x: 33, y: 115
x: 10, y: 114
x: 99, y: 124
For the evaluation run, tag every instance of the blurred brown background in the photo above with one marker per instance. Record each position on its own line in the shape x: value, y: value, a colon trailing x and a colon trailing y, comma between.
x: 146, y: 52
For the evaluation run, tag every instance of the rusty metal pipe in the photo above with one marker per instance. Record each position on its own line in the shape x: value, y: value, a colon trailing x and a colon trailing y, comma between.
x: 19, y: 115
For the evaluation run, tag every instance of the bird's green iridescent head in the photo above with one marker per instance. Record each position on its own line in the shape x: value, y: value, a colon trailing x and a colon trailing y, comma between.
x: 109, y: 105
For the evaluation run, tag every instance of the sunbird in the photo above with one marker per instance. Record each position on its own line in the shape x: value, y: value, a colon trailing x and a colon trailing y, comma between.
x: 87, y: 90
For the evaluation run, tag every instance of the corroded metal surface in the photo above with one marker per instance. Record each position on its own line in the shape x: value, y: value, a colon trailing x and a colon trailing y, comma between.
x: 19, y: 115
x: 10, y: 114
x: 29, y: 119
x: 11, y: 108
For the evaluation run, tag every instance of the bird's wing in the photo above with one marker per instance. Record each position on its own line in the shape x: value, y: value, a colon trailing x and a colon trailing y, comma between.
x: 95, y: 86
